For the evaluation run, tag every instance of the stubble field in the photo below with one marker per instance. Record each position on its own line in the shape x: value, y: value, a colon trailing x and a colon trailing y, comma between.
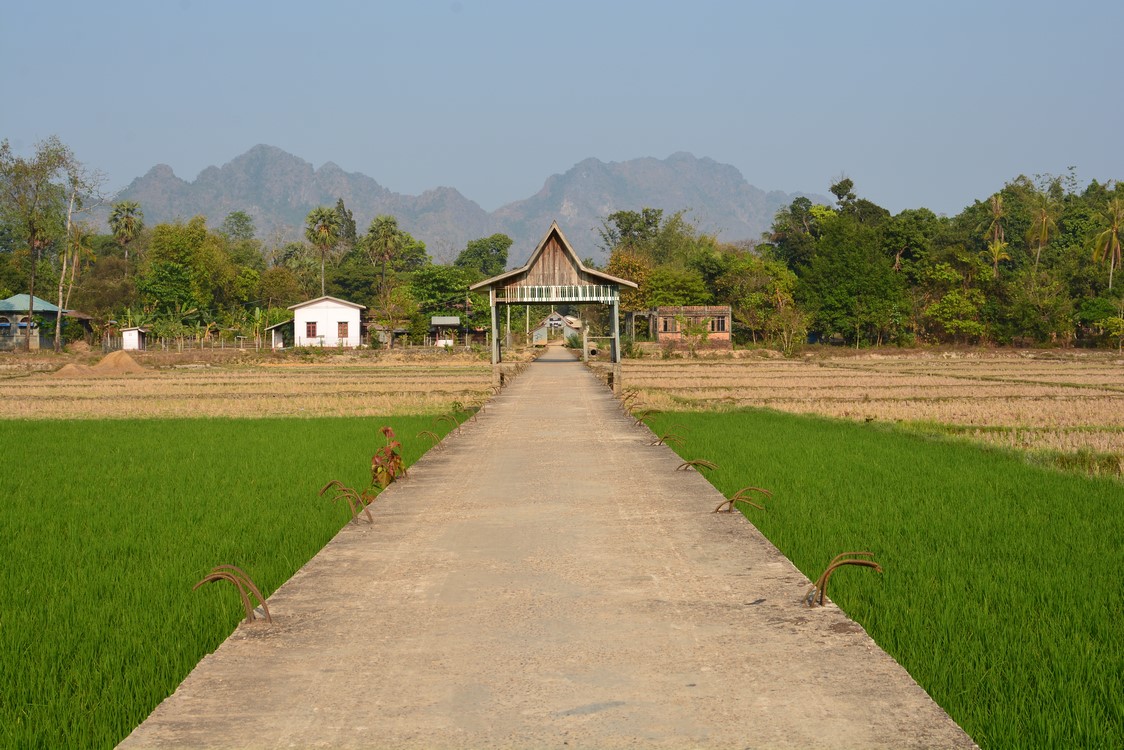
x: 342, y: 388
x: 1070, y: 407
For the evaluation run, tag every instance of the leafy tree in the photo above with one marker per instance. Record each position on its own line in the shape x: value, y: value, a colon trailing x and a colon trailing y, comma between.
x: 440, y: 290
x: 851, y: 288
x: 322, y: 229
x: 33, y: 200
x: 238, y: 226
x: 1039, y: 308
x: 393, y: 253
x: 792, y: 238
x: 630, y: 229
x: 756, y: 289
x: 173, y: 277
x: 1106, y: 245
x: 487, y: 255
x: 279, y: 287
x: 957, y: 314
x: 676, y: 286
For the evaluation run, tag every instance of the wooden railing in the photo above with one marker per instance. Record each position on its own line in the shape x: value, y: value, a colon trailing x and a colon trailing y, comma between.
x: 566, y: 293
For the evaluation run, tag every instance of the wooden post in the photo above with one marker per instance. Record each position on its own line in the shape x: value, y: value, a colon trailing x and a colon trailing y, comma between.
x: 616, y: 358
x: 585, y: 342
x: 507, y: 340
x: 495, y: 342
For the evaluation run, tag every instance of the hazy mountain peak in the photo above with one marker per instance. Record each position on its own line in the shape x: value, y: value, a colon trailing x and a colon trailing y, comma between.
x: 278, y: 190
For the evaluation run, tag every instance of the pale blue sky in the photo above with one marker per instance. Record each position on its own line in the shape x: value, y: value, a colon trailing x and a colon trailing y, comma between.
x: 921, y: 104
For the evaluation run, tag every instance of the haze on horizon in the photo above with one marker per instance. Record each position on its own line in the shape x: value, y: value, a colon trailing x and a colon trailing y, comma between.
x: 935, y: 104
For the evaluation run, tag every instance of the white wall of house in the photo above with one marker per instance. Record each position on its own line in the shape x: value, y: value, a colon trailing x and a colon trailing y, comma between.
x: 132, y: 339
x: 327, y: 321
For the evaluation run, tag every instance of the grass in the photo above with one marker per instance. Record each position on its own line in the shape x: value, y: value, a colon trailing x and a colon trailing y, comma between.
x: 106, y: 527
x: 1002, y: 590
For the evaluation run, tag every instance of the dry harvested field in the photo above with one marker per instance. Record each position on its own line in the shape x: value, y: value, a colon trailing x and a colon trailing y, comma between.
x: 267, y: 387
x: 1067, y: 402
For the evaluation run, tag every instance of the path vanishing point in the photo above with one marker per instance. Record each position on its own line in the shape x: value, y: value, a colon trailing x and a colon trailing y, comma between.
x: 548, y: 580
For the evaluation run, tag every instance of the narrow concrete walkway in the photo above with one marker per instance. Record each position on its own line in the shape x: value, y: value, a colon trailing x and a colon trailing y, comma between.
x: 549, y: 580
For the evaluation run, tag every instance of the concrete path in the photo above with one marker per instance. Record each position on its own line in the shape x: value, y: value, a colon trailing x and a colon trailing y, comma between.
x: 549, y: 580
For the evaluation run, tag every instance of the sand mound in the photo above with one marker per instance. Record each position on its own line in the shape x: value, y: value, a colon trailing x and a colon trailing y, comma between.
x: 72, y: 371
x: 116, y: 363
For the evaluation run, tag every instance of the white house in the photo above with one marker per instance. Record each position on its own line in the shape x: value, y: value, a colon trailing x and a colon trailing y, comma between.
x: 327, y: 321
x: 133, y: 339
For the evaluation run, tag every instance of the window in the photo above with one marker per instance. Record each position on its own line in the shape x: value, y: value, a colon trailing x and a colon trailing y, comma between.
x: 310, y: 330
x: 718, y: 325
x: 341, y: 329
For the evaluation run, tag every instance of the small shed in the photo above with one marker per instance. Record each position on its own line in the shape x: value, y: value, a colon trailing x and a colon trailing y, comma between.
x: 556, y: 324
x: 445, y: 329
x: 327, y: 321
x: 134, y: 339
x: 669, y: 324
x: 277, y: 334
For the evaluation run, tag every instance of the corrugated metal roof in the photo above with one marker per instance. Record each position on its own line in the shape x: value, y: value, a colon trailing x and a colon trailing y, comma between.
x: 444, y: 320
x: 19, y: 303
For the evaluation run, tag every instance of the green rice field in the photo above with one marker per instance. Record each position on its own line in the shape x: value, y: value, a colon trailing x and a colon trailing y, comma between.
x: 1002, y: 592
x: 106, y: 527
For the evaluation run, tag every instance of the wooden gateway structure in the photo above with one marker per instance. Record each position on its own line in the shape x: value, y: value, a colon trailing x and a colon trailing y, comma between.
x: 554, y: 275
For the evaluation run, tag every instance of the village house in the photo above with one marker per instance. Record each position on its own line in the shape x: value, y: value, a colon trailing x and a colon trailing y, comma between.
x: 669, y: 324
x: 324, y: 321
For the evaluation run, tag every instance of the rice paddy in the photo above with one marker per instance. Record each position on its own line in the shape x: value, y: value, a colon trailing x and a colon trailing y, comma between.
x: 1001, y: 592
x: 108, y: 524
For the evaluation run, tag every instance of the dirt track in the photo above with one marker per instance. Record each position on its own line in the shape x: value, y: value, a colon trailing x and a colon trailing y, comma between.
x: 548, y: 580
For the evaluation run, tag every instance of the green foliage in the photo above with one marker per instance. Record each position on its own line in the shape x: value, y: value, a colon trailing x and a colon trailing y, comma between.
x: 667, y: 285
x: 100, y: 622
x: 998, y: 595
x: 440, y: 290
x: 851, y: 288
x: 956, y: 315
x: 487, y: 256
x: 238, y: 226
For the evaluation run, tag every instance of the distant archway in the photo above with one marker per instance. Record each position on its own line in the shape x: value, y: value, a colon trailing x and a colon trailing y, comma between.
x: 555, y: 275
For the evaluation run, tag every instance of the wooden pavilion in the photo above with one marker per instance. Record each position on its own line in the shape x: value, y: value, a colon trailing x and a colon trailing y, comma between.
x: 555, y: 274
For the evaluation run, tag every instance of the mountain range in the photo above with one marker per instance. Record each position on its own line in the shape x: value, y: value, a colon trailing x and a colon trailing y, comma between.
x: 278, y: 190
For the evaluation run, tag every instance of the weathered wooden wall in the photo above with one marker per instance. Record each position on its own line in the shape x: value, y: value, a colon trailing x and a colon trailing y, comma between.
x: 553, y: 267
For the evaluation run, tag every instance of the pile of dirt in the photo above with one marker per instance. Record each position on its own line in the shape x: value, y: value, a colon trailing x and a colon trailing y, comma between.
x: 112, y: 365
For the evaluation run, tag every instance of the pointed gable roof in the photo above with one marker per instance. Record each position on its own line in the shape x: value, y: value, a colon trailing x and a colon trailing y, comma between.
x: 587, y: 275
x: 327, y: 298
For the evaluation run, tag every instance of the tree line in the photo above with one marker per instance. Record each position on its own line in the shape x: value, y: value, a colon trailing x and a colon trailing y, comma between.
x: 182, y: 278
x: 1035, y: 263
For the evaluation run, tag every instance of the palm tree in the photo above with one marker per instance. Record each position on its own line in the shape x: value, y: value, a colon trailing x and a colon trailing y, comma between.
x: 1045, y: 221
x: 996, y: 251
x: 1106, y: 245
x: 322, y: 229
x: 126, y: 220
x: 995, y: 225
